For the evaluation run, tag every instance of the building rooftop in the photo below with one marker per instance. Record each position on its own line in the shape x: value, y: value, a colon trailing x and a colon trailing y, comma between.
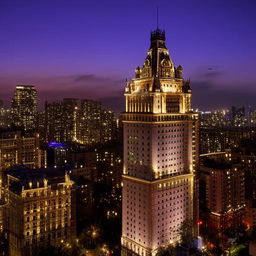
x: 157, y: 34
x: 14, y: 132
x: 26, y: 178
x: 22, y: 172
x: 220, y: 164
x: 24, y: 86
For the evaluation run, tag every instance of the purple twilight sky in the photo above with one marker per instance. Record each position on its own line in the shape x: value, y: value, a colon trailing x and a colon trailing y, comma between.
x: 86, y: 49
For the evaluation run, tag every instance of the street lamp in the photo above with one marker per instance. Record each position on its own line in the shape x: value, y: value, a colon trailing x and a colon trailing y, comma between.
x: 94, y: 234
x: 199, y: 239
x: 199, y: 222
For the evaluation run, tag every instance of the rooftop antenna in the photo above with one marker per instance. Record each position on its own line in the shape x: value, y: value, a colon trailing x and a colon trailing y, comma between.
x: 157, y: 17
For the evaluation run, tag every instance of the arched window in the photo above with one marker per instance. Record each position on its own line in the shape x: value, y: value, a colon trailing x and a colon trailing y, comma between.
x: 147, y: 63
x: 165, y: 63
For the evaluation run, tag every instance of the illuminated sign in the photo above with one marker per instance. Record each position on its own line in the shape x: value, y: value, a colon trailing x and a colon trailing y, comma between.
x: 56, y: 145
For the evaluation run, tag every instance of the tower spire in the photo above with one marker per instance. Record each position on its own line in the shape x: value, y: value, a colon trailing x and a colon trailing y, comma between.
x: 157, y: 17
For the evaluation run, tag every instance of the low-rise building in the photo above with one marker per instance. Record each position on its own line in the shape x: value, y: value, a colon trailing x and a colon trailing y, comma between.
x: 250, y: 217
x: 17, y: 148
x: 252, y: 249
x: 3, y: 228
x: 41, y: 209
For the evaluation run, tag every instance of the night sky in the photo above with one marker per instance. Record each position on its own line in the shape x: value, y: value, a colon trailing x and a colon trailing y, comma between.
x: 86, y: 49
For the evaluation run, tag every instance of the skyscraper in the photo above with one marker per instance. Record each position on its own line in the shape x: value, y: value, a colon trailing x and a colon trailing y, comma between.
x: 83, y: 121
x: 61, y: 120
x: 24, y: 106
x: 160, y: 154
x: 89, y: 122
x: 95, y: 124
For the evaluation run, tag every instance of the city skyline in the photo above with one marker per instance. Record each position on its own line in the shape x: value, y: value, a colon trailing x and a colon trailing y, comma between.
x: 79, y: 50
x: 127, y: 128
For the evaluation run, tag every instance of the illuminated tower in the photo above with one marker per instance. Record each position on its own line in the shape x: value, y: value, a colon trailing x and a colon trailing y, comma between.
x: 160, y: 154
x: 24, y: 106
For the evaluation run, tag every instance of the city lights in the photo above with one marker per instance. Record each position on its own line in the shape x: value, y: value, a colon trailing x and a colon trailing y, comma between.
x: 95, y: 161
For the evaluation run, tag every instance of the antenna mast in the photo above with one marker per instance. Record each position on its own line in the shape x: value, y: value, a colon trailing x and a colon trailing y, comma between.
x: 157, y: 17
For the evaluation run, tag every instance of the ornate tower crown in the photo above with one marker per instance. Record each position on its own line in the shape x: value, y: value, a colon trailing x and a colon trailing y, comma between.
x: 158, y: 86
x: 158, y: 62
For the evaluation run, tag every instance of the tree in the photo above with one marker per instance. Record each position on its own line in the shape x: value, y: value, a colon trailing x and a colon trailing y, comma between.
x: 166, y: 251
x: 217, y: 251
x: 51, y: 251
x: 237, y: 250
x: 90, y: 237
x: 186, y: 232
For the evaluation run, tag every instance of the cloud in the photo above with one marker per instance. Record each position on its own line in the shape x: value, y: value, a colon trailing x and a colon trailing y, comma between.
x: 208, y: 73
x: 85, y: 78
x: 55, y: 88
x: 208, y: 90
x: 208, y: 95
x: 212, y: 74
x: 202, y: 85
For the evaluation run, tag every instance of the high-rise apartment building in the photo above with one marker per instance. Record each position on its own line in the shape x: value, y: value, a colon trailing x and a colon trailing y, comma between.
x: 238, y: 116
x: 60, y: 120
x: 24, y: 107
x: 219, y: 139
x: 41, y: 209
x: 95, y: 124
x: 215, y: 119
x: 85, y: 122
x: 88, y: 128
x: 160, y: 154
x: 222, y: 183
x: 252, y: 117
x: 108, y: 126
x: 40, y: 124
x: 5, y: 117
x: 54, y: 125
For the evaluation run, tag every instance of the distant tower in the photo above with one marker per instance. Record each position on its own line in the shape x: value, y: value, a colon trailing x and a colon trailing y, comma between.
x: 24, y: 107
x: 61, y: 120
x: 160, y: 154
